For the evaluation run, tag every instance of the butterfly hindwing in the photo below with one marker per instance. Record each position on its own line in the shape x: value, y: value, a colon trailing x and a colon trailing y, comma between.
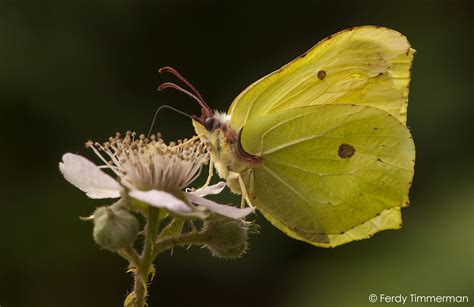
x: 330, y: 174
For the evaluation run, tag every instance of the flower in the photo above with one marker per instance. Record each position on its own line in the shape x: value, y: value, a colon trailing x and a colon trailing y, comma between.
x: 150, y: 171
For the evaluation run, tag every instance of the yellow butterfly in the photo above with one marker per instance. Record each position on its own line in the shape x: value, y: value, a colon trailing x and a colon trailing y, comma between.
x: 320, y: 147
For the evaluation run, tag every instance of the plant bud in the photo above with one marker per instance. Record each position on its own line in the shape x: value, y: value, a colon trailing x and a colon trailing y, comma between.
x: 114, y: 227
x: 225, y: 237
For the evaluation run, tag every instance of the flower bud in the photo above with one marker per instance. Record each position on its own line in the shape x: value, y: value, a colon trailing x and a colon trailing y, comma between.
x: 114, y: 227
x: 225, y: 237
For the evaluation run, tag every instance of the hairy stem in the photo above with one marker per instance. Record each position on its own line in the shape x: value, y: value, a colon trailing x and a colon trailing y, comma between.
x: 153, y: 245
x: 144, y: 267
x: 129, y: 254
x: 184, y: 239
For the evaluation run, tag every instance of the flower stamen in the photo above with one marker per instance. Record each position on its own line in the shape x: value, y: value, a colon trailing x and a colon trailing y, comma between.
x: 146, y: 163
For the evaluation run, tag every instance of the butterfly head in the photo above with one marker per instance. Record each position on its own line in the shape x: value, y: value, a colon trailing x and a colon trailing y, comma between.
x: 218, y: 120
x: 212, y: 127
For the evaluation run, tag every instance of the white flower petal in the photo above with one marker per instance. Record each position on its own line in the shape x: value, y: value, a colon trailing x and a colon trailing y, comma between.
x: 225, y: 210
x: 212, y: 189
x: 88, y: 177
x: 161, y: 199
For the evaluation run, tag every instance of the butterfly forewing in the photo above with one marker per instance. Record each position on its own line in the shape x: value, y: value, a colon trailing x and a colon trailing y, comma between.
x: 366, y: 65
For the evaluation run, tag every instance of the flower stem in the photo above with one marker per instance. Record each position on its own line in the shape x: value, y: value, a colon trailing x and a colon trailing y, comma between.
x: 152, y: 247
x: 129, y: 254
x: 144, y: 267
x: 196, y: 238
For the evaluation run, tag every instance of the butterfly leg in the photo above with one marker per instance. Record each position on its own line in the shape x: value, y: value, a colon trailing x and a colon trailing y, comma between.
x: 245, y: 195
x: 242, y: 202
x: 211, y: 174
x: 236, y: 183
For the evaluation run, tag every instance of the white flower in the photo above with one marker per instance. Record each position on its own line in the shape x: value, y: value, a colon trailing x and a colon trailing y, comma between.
x: 151, y: 172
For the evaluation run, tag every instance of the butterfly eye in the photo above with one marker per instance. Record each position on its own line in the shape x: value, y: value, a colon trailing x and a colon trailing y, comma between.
x: 211, y: 124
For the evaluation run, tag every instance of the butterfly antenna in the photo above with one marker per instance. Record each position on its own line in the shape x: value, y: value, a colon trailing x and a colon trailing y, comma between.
x: 158, y: 111
x: 174, y: 72
x: 196, y: 95
x: 182, y: 90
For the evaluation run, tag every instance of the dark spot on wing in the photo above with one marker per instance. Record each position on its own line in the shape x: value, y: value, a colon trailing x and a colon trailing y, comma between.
x: 380, y: 74
x: 321, y: 74
x: 380, y: 160
x: 375, y: 128
x: 346, y: 151
x: 303, y: 55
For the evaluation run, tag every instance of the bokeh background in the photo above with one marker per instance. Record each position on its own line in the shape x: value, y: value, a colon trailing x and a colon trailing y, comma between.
x: 77, y: 70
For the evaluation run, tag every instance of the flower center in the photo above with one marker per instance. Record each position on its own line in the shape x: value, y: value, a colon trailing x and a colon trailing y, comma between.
x: 149, y: 163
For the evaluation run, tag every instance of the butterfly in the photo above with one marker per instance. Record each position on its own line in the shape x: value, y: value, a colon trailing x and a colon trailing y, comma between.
x: 320, y: 147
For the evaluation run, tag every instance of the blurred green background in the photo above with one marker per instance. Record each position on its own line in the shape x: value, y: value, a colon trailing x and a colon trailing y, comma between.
x: 77, y: 70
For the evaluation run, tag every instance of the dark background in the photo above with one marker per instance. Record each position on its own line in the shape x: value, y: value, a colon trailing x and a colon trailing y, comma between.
x: 77, y: 70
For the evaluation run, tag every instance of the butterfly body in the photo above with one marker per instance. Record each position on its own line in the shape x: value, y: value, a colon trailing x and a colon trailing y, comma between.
x: 223, y: 147
x: 320, y: 147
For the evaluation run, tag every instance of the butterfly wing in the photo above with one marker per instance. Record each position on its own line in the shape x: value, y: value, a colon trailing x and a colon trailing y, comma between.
x: 366, y: 65
x: 330, y: 174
